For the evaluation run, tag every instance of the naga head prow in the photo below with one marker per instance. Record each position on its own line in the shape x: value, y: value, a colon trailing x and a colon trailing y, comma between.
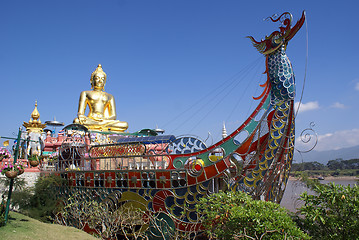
x: 272, y: 42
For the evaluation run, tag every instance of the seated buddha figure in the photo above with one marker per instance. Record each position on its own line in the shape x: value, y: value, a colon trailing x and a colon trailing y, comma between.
x: 102, y: 108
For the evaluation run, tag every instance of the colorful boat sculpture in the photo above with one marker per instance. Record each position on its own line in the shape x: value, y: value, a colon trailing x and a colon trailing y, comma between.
x: 165, y: 175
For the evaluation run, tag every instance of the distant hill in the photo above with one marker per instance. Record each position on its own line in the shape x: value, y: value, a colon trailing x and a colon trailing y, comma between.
x: 324, y: 156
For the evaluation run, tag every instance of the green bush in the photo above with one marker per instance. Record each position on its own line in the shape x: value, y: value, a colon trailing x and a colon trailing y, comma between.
x: 332, y: 213
x: 38, y: 202
x: 2, y: 212
x: 236, y: 215
x: 43, y: 203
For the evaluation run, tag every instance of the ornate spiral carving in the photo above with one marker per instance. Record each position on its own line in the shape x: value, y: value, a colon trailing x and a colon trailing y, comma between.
x: 178, y: 163
x: 195, y: 167
x: 309, y: 137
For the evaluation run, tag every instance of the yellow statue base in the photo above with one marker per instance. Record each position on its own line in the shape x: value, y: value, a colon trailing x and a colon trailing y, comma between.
x: 107, y: 125
x: 106, y: 129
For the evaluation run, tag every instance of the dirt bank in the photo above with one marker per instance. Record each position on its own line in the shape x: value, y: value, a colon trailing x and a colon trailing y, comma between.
x: 332, y: 178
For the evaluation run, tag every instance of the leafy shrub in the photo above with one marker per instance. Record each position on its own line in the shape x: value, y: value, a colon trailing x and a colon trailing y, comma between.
x: 124, y: 221
x: 332, y: 213
x: 18, y: 188
x: 43, y: 203
x: 38, y: 202
x: 2, y: 212
x: 235, y: 215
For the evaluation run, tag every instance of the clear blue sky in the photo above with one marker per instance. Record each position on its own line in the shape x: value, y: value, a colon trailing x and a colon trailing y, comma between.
x: 163, y: 56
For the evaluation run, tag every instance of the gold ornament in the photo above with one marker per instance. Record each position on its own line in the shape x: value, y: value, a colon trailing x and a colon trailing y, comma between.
x: 34, y: 124
x: 102, y: 107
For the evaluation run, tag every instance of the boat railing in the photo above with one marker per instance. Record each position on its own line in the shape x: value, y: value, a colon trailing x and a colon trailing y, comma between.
x: 137, y: 162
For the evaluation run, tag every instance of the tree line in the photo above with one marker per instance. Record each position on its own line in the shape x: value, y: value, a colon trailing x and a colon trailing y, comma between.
x: 337, y: 164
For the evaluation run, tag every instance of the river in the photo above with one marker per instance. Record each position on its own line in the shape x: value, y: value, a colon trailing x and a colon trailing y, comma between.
x: 295, y: 188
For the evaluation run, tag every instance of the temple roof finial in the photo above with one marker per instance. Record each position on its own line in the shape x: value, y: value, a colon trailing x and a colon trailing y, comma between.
x: 224, y: 131
x: 34, y: 123
x: 35, y: 115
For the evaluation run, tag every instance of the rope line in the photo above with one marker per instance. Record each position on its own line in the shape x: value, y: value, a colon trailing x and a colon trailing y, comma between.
x: 223, y: 96
x: 305, y: 70
x: 231, y: 83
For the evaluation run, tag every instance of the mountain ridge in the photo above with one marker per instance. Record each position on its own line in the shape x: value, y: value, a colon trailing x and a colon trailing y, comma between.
x: 325, y: 156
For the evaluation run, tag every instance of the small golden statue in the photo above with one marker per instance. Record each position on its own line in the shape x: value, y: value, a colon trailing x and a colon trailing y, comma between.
x: 102, y: 108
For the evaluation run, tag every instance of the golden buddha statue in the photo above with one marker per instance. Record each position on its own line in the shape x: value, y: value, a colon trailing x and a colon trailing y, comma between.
x: 102, y: 108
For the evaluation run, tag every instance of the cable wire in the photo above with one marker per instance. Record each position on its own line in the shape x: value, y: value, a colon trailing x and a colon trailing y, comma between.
x: 305, y: 71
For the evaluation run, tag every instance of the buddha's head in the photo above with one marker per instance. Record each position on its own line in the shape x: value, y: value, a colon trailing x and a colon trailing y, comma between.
x: 98, y: 79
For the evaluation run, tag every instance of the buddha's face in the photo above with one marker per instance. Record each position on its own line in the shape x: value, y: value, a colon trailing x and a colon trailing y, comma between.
x: 98, y: 81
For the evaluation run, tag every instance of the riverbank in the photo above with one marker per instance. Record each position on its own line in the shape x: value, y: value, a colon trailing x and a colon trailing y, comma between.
x: 295, y: 188
x: 332, y: 178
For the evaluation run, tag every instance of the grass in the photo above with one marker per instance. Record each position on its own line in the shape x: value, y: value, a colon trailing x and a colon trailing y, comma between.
x: 22, y: 227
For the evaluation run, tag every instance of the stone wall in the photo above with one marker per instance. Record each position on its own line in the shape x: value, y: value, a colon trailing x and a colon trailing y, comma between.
x: 30, y: 178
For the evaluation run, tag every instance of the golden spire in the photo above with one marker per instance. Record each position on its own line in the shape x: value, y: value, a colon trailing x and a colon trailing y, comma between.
x: 34, y: 124
x: 35, y: 115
